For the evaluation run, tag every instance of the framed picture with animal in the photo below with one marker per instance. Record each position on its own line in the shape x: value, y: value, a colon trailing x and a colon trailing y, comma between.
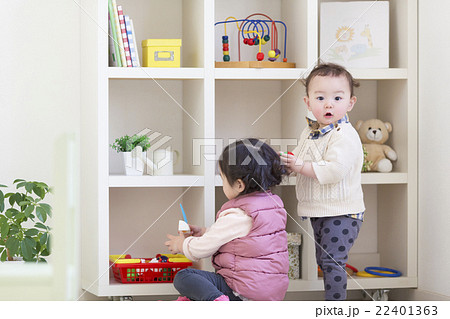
x: 355, y: 34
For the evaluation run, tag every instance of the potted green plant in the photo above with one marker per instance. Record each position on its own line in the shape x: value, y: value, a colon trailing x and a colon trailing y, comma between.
x: 134, y: 149
x: 18, y: 238
x: 366, y: 163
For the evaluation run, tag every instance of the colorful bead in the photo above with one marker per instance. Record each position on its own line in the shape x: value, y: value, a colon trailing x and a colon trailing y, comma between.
x: 277, y: 53
x: 225, y: 48
x: 273, y: 55
x: 260, y: 56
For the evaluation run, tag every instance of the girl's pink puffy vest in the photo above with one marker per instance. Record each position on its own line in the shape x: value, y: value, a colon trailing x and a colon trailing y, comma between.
x: 256, y: 266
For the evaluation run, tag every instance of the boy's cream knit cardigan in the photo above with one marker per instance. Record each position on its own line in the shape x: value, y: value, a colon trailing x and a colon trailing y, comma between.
x: 337, y: 159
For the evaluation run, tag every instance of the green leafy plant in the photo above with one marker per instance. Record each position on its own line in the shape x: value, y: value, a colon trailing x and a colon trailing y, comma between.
x: 31, y: 243
x: 128, y: 143
x: 366, y: 163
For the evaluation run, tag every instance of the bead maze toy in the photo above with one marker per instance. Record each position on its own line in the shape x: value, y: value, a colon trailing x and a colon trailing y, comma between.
x: 255, y: 32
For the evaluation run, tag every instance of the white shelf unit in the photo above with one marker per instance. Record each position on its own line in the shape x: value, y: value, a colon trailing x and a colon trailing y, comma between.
x: 198, y: 101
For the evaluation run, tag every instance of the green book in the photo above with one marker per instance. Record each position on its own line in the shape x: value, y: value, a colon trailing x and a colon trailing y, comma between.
x: 113, y: 37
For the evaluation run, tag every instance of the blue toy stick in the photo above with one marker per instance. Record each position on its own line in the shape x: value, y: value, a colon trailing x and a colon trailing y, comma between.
x: 184, y: 214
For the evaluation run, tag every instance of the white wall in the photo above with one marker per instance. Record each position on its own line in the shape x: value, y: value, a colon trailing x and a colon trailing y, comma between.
x: 39, y: 85
x: 434, y: 149
x: 39, y: 105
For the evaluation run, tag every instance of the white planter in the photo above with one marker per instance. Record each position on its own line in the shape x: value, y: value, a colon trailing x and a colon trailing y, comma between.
x: 16, y: 260
x: 161, y: 162
x: 134, y: 162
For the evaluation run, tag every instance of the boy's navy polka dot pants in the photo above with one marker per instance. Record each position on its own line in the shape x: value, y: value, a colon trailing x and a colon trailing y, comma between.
x: 334, y: 237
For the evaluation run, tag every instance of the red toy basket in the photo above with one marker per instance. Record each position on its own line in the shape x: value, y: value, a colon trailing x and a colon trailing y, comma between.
x: 161, y: 272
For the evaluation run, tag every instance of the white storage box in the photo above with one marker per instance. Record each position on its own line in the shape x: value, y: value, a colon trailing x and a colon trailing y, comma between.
x: 294, y: 244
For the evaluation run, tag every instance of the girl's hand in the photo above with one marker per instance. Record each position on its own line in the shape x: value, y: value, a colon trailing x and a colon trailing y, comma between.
x: 175, y: 243
x: 292, y: 163
x: 197, y: 231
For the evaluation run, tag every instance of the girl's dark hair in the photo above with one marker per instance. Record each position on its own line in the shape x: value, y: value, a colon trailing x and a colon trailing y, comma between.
x: 253, y: 161
x: 330, y: 69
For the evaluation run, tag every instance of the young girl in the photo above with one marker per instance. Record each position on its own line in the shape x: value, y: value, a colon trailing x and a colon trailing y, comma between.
x: 248, y: 241
x: 328, y: 162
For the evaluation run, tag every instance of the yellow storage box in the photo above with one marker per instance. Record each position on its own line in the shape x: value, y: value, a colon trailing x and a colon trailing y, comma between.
x: 162, y: 53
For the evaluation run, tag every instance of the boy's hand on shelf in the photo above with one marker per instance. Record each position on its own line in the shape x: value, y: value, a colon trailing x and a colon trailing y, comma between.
x: 175, y: 243
x: 292, y: 163
x: 197, y: 231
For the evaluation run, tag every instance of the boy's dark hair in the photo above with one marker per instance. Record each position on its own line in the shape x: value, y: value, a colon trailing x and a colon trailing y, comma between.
x: 330, y: 69
x: 253, y: 161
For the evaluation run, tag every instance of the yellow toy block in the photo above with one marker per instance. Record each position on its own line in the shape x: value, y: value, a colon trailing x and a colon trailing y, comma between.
x: 128, y: 261
x: 113, y: 258
x: 179, y: 260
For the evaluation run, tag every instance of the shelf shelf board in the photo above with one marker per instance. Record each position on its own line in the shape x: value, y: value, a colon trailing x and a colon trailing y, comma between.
x: 258, y: 74
x: 379, y: 74
x: 384, y: 178
x: 366, y: 179
x: 244, y: 73
x: 356, y: 283
x: 155, y: 73
x: 297, y: 74
x: 118, y: 289
x: 156, y: 181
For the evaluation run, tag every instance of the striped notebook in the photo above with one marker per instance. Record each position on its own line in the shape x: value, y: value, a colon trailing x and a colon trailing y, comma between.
x: 131, y: 42
x: 123, y: 30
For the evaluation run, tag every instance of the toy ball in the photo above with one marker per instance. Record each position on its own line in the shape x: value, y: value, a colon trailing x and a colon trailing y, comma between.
x: 226, y: 58
x: 245, y: 41
x: 260, y: 56
x: 250, y: 42
x: 277, y: 53
x: 256, y: 41
x: 271, y: 53
x: 266, y: 38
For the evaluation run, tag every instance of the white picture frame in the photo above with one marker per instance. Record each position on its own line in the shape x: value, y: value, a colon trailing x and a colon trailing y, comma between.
x: 355, y: 34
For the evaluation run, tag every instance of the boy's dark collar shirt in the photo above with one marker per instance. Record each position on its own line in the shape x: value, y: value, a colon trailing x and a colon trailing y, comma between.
x: 316, y: 132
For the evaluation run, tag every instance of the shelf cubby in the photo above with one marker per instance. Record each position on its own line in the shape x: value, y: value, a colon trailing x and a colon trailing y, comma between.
x: 173, y: 19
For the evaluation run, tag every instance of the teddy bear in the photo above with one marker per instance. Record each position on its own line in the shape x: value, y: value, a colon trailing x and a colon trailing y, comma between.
x: 374, y: 133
